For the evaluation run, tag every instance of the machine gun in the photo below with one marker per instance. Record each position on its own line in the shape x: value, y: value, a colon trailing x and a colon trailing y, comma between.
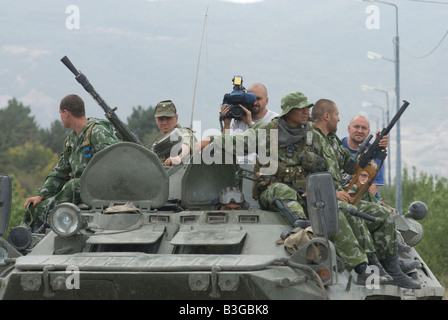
x: 364, y: 159
x: 123, y: 131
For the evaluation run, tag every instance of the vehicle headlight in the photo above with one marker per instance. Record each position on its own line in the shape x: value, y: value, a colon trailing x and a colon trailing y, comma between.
x: 20, y: 238
x: 65, y: 219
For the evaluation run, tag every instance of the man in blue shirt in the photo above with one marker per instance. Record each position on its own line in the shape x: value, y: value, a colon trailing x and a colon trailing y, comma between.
x: 358, y: 131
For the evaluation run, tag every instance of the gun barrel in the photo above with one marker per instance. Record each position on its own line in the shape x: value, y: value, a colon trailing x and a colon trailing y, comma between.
x: 357, y: 213
x: 374, y: 150
x: 395, y: 118
x: 364, y: 145
x: 124, y: 131
x: 65, y: 60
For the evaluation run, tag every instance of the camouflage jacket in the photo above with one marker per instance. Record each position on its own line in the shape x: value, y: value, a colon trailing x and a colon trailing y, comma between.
x: 337, y: 156
x: 292, y: 167
x: 72, y: 161
x: 163, y: 147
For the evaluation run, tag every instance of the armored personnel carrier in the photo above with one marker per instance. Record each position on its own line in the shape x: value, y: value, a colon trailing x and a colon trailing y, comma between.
x: 145, y: 231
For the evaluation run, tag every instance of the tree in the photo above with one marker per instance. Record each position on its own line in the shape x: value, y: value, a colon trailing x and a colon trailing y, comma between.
x: 432, y: 190
x: 143, y: 124
x: 31, y: 163
x: 54, y: 137
x: 17, y: 210
x: 20, y: 125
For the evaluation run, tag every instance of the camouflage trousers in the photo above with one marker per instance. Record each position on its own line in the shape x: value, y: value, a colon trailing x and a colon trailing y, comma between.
x: 383, y: 230
x: 345, y: 242
x: 36, y: 217
x: 359, y: 228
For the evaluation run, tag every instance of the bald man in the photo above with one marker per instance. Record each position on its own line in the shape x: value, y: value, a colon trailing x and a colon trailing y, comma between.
x: 358, y: 131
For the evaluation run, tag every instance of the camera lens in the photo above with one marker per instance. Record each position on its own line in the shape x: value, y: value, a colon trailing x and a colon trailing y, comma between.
x: 236, y: 111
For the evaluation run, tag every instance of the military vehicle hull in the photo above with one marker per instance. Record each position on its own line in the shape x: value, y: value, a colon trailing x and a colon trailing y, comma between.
x: 168, y: 244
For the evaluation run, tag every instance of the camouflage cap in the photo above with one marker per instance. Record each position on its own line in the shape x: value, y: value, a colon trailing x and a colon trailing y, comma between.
x: 165, y: 108
x: 294, y: 100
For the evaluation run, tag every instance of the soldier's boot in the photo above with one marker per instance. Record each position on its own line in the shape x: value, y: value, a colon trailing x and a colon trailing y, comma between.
x: 363, y: 275
x: 408, y: 265
x: 392, y: 267
x: 373, y: 260
x: 403, y: 247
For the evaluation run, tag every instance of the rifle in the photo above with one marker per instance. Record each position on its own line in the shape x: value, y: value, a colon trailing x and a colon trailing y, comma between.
x: 365, y: 156
x: 125, y: 133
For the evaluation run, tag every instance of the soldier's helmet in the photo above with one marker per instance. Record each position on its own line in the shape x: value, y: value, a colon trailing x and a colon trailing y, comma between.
x: 231, y: 195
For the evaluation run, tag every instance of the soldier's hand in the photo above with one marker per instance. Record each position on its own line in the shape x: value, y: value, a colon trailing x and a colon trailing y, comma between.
x: 35, y: 200
x: 200, y: 145
x: 173, y: 161
x: 343, y: 196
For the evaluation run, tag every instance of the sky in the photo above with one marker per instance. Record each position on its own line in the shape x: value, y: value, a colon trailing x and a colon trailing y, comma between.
x: 139, y: 52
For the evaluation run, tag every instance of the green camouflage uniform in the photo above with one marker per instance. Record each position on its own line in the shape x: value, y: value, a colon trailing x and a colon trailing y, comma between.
x: 164, y: 145
x: 382, y: 232
x: 63, y: 182
x: 293, y: 167
x: 170, y: 144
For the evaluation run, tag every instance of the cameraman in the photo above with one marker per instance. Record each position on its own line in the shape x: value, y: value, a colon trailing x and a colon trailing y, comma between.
x: 259, y: 113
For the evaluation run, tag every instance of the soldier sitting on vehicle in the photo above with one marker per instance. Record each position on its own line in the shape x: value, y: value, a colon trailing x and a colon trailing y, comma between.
x: 168, y: 147
x: 88, y: 136
x: 383, y: 234
x: 295, y: 162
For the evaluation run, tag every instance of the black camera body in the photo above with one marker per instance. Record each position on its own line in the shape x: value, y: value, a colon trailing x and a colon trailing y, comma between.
x: 238, y: 97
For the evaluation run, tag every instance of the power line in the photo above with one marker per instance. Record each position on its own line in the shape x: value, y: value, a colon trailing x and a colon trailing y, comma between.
x: 427, y: 1
x: 431, y: 52
x: 441, y: 40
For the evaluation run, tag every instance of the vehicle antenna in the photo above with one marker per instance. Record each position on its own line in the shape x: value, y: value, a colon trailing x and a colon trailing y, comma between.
x: 197, y: 68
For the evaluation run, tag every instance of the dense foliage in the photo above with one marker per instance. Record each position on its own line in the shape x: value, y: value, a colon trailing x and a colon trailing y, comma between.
x: 28, y: 153
x: 431, y: 190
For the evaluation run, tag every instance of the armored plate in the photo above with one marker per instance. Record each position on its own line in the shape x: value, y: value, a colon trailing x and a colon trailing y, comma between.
x: 125, y: 172
x: 322, y: 204
x: 144, y: 235
x: 216, y: 235
x: 202, y: 183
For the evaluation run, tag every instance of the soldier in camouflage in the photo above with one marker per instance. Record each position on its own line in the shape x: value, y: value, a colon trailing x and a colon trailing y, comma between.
x: 88, y: 136
x: 383, y: 233
x: 296, y: 160
x: 176, y: 143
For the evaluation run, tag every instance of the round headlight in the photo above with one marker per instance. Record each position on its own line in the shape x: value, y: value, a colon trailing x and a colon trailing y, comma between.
x: 20, y: 238
x: 65, y: 219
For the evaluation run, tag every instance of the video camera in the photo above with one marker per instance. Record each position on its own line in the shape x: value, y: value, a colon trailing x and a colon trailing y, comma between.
x: 238, y: 97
